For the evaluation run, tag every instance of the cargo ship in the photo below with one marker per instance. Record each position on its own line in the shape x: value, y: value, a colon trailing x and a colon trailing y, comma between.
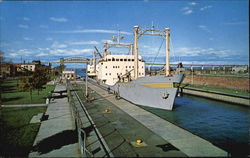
x: 124, y: 75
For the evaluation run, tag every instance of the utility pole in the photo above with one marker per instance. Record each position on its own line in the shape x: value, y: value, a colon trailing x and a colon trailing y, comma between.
x: 86, y: 82
x: 136, y: 30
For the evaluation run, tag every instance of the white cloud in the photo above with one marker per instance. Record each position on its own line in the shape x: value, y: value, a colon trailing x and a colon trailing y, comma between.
x: 94, y: 31
x: 206, y: 7
x: 27, y: 38
x: 41, y: 54
x: 235, y: 23
x: 192, y: 3
x: 204, y: 28
x: 58, y: 19
x: 24, y: 52
x: 26, y: 19
x: 84, y: 43
x: 43, y: 26
x: 187, y: 10
x: 58, y: 45
x: 23, y: 26
x: 13, y: 54
x: 108, y: 41
x: 49, y: 39
x: 70, y: 52
x: 204, y: 52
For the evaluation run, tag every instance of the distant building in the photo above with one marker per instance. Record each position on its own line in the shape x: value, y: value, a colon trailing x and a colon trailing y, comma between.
x: 7, y: 70
x: 68, y: 74
x: 29, y: 66
x: 240, y: 68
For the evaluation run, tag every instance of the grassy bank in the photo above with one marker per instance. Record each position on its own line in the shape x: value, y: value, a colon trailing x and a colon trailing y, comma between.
x: 216, y: 89
x: 17, y: 135
x: 10, y: 95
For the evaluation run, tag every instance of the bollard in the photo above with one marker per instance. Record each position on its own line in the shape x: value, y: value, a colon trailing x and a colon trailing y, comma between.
x: 47, y: 101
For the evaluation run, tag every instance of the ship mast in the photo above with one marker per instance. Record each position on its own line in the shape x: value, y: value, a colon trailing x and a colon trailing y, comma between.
x: 138, y: 32
x: 118, y: 44
x: 167, y: 30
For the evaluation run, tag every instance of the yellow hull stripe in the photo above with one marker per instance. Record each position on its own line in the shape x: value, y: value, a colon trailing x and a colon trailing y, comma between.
x: 159, y: 85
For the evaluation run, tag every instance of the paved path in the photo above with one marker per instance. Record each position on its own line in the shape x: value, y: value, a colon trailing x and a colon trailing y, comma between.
x: 187, y: 142
x: 56, y: 136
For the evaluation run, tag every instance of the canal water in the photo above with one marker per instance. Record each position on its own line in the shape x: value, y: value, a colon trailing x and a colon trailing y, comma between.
x: 223, y: 124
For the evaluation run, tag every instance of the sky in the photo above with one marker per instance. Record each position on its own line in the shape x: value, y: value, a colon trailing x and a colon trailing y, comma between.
x: 202, y: 32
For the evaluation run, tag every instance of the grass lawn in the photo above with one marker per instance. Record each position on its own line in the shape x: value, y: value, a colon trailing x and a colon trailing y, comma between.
x: 10, y: 95
x: 16, y: 134
x: 222, y: 90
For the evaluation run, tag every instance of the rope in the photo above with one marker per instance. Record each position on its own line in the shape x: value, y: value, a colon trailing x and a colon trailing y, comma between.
x: 158, y: 51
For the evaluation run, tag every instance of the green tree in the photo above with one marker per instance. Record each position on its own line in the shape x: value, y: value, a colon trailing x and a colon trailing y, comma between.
x: 26, y: 84
x: 40, y: 77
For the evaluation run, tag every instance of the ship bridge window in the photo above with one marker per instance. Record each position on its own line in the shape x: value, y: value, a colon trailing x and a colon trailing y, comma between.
x: 139, y: 59
x: 121, y: 59
x: 113, y: 59
x: 128, y: 59
x: 109, y: 59
x: 117, y: 59
x: 132, y: 59
x: 125, y: 59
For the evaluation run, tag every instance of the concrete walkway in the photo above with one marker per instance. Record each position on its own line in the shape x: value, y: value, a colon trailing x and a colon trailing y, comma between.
x: 185, y: 141
x: 23, y: 105
x: 56, y: 136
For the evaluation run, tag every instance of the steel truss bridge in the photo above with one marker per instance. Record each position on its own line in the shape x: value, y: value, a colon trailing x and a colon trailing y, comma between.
x: 88, y: 60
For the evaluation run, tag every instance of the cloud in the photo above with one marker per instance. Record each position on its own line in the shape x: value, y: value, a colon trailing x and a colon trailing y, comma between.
x: 27, y: 38
x: 187, y: 10
x: 204, y: 28
x: 58, y: 19
x: 49, y: 39
x: 107, y: 41
x: 58, y: 45
x: 205, y: 8
x: 23, y: 26
x: 24, y: 52
x: 192, y: 3
x: 70, y: 52
x: 203, y: 52
x: 13, y: 54
x: 235, y: 23
x: 94, y: 31
x: 41, y: 54
x: 43, y: 26
x: 84, y: 43
x: 26, y: 19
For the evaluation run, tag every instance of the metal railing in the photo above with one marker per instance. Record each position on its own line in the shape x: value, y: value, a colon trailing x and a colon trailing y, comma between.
x: 82, y: 137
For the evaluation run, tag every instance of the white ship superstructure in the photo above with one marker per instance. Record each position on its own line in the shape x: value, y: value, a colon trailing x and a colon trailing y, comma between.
x: 114, y: 68
x: 124, y: 75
